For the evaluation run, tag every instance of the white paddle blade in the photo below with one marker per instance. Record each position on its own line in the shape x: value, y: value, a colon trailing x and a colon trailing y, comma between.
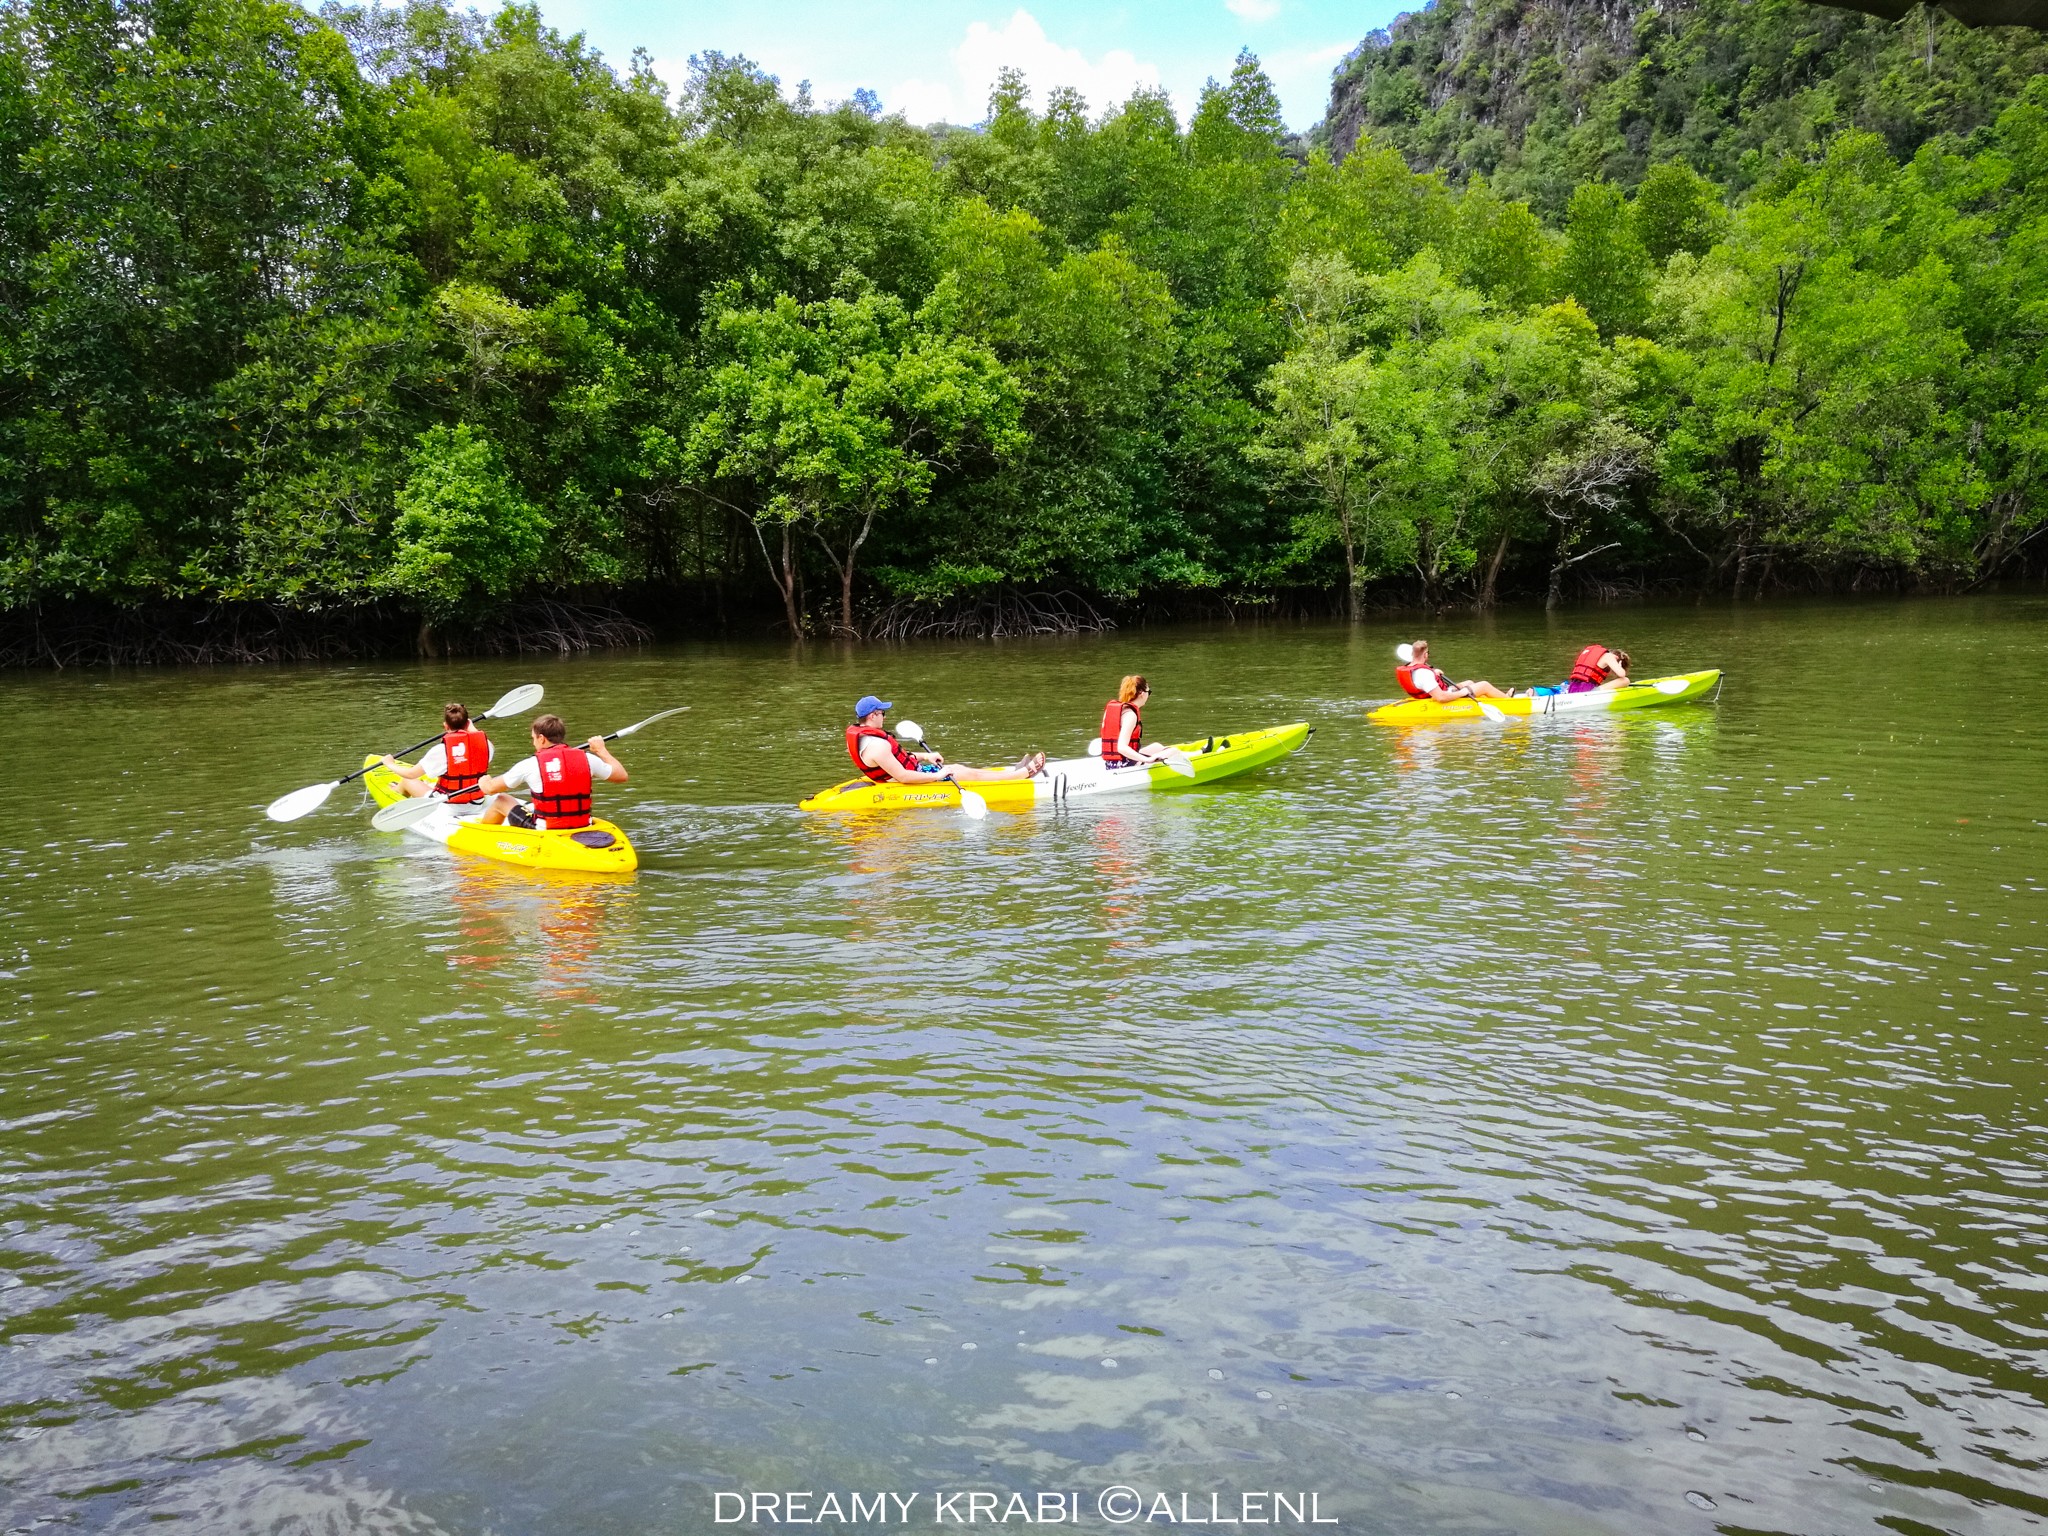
x: 1491, y: 711
x: 1095, y: 746
x: 1672, y: 684
x: 641, y: 725
x: 400, y: 814
x: 300, y: 802
x: 517, y: 702
x: 975, y: 807
x: 1177, y: 760
x: 909, y: 730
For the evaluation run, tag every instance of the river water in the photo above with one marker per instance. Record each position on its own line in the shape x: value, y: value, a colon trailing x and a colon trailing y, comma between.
x: 1627, y: 1125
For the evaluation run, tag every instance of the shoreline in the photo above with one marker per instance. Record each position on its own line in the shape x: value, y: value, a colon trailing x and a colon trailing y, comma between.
x: 91, y: 636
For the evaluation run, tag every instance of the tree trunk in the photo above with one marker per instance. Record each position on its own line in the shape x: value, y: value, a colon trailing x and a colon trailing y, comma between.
x: 424, y: 642
x: 1491, y: 584
x: 846, y: 598
x: 1350, y: 570
x: 788, y: 585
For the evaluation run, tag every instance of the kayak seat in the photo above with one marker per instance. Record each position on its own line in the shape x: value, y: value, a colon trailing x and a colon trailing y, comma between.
x: 593, y: 837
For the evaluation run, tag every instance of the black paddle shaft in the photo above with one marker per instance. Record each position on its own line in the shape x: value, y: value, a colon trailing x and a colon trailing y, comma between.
x: 416, y: 746
x: 402, y: 752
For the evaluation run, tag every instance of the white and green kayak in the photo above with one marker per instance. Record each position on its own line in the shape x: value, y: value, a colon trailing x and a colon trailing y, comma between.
x: 1676, y: 689
x: 1077, y: 778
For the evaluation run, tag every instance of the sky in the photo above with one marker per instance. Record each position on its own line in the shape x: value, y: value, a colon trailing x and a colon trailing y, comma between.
x: 935, y: 59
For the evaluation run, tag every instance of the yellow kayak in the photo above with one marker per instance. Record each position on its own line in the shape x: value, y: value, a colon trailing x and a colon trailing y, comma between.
x: 1676, y: 689
x: 598, y: 849
x: 1077, y: 778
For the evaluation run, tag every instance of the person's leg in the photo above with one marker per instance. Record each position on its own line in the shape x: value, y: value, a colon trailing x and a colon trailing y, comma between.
x: 495, y: 813
x: 1485, y: 691
x: 413, y: 789
x: 992, y: 775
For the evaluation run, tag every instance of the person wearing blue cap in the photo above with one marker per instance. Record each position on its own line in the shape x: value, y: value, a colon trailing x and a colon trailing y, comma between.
x: 881, y: 757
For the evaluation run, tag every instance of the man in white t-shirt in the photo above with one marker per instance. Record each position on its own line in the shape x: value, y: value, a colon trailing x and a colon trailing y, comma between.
x: 557, y: 776
x: 1420, y: 680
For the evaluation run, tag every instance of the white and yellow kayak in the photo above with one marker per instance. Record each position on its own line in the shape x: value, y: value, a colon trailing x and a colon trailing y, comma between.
x: 1076, y: 778
x: 1676, y: 689
x: 598, y: 849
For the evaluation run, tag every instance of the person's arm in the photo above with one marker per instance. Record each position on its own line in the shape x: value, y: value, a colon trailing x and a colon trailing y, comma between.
x: 876, y: 754
x: 430, y: 766
x: 1127, y: 722
x: 1612, y: 662
x: 510, y: 782
x: 596, y: 748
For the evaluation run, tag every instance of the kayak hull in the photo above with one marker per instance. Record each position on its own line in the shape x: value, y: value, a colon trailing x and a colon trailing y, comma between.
x: 1077, y: 778
x: 1681, y: 688
x: 598, y: 849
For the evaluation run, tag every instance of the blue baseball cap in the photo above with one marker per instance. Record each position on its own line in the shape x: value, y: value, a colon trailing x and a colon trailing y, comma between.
x: 868, y: 705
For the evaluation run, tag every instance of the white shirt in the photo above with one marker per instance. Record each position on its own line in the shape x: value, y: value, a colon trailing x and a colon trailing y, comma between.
x: 525, y: 774
x: 1429, y: 680
x: 435, y: 763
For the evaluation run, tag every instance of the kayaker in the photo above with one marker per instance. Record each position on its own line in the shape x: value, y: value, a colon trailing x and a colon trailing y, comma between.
x: 883, y: 758
x: 454, y: 767
x: 557, y: 776
x: 1420, y: 680
x: 1123, y: 726
x: 1597, y: 667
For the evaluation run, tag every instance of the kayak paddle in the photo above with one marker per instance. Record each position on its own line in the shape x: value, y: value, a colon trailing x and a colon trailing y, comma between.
x: 401, y: 814
x: 303, y: 802
x: 972, y: 804
x: 1175, y: 759
x: 1492, y: 711
x: 1671, y: 685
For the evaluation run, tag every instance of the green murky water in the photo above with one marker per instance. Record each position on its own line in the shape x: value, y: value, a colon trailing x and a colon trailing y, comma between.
x: 1616, y: 1126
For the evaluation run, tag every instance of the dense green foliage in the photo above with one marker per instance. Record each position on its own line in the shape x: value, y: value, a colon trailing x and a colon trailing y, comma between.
x: 424, y: 310
x: 1540, y: 98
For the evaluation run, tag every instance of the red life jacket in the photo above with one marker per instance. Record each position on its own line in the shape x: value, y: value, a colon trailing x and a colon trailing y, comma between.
x: 854, y: 735
x: 563, y: 801
x: 468, y: 754
x: 1587, y: 668
x: 1112, y: 728
x: 1405, y: 676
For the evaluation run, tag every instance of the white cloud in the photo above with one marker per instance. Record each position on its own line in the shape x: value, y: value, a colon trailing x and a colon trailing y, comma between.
x: 1253, y: 10
x: 1021, y: 43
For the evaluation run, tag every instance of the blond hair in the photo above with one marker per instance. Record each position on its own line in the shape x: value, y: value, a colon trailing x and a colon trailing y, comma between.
x: 1131, y: 687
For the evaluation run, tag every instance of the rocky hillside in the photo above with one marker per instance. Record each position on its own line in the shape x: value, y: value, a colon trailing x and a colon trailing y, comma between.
x: 1540, y: 95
